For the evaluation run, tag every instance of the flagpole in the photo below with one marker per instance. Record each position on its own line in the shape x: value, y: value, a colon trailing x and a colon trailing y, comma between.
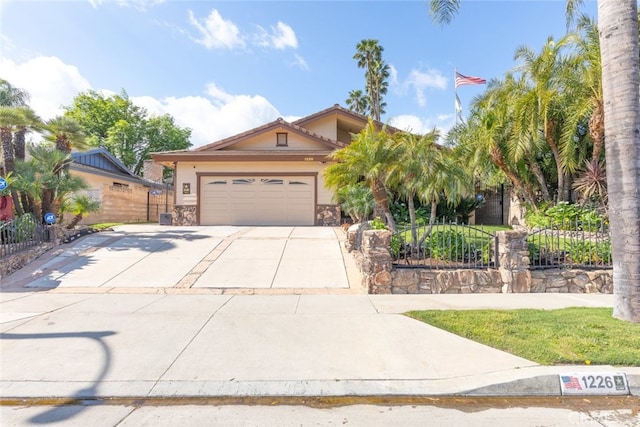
x: 455, y: 93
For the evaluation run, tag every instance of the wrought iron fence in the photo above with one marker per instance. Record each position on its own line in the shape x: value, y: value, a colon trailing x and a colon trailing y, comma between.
x: 21, y: 234
x: 570, y: 244
x: 445, y: 245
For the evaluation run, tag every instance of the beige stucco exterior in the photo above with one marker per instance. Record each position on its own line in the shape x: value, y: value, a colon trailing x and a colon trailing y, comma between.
x: 188, y: 174
x: 257, y: 153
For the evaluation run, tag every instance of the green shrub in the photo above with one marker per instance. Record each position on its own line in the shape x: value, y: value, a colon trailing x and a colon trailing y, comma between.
x: 565, y: 216
x: 378, y: 224
x: 590, y: 252
x: 448, y: 245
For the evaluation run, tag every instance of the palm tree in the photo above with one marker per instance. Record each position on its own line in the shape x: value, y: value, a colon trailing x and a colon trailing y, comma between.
x: 11, y: 96
x: 488, y: 137
x: 357, y: 102
x: 541, y: 109
x: 369, y: 158
x: 66, y: 133
x: 356, y: 200
x: 10, y: 117
x: 618, y: 25
x: 369, y: 57
x: 44, y: 178
x: 80, y: 205
x: 27, y: 122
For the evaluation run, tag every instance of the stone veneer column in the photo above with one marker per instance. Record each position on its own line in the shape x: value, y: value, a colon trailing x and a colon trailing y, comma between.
x: 376, y: 263
x: 184, y: 215
x: 514, y: 261
x: 328, y: 215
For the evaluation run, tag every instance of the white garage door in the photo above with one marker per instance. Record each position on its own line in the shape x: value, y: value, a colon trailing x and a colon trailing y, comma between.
x: 257, y: 200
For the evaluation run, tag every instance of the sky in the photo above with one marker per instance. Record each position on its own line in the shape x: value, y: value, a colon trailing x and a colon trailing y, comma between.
x: 224, y: 67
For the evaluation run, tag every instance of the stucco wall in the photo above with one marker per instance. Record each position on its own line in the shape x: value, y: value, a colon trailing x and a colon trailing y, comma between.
x: 268, y: 142
x: 186, y: 173
x: 325, y: 126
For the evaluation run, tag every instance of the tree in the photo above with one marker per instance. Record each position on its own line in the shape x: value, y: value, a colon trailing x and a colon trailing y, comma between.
x: 11, y: 96
x: 125, y: 129
x: 161, y: 134
x: 356, y: 200
x: 357, y: 102
x: 66, y: 134
x: 618, y: 25
x: 44, y: 178
x: 369, y: 57
x: 369, y: 158
x: 81, y: 204
x: 542, y: 107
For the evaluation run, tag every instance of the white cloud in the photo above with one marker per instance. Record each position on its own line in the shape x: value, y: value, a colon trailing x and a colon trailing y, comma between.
x: 299, y: 61
x: 216, y: 32
x: 50, y: 82
x: 421, y: 81
x: 141, y: 5
x: 281, y: 37
x: 393, y: 75
x: 215, y: 117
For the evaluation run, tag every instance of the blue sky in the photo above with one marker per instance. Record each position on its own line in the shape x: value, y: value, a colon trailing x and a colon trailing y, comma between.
x: 222, y: 67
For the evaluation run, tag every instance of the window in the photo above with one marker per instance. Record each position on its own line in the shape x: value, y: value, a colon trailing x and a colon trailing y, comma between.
x: 281, y: 140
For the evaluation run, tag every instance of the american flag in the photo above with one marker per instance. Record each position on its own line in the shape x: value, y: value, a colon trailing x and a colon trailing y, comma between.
x: 571, y: 382
x: 468, y: 80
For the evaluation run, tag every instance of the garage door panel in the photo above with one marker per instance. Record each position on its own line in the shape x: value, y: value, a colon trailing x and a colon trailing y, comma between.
x: 257, y: 200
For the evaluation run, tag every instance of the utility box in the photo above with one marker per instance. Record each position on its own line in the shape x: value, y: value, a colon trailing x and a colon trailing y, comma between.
x: 166, y: 219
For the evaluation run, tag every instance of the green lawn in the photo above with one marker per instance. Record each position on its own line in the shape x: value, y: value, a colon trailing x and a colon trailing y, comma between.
x: 549, y: 337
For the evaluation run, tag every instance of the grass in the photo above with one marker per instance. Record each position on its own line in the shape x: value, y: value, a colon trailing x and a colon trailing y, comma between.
x: 105, y: 225
x: 549, y: 337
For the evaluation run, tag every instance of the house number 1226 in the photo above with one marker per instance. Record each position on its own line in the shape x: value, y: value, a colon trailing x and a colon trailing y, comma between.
x: 597, y: 381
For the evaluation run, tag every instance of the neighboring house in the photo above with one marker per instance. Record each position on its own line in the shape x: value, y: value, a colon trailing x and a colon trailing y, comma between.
x: 123, y: 196
x: 270, y: 175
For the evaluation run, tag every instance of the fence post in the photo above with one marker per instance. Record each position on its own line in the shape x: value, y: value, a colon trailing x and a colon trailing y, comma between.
x: 513, y: 261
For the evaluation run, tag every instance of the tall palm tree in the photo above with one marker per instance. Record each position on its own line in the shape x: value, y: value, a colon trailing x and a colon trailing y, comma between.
x: 541, y: 109
x: 368, y: 158
x: 369, y: 57
x: 618, y: 25
x: 357, y: 102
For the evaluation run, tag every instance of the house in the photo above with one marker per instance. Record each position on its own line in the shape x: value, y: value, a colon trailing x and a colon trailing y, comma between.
x: 123, y: 196
x: 269, y: 175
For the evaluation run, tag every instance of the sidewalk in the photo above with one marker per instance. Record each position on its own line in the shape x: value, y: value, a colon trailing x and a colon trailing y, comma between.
x: 80, y: 323
x: 156, y: 345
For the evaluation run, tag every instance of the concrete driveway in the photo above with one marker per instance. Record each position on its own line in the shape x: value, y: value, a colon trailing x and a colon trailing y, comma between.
x: 216, y: 259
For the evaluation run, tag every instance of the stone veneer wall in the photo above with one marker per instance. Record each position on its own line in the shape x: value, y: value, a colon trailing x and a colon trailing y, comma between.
x: 184, y: 215
x: 371, y: 250
x: 328, y: 215
x: 15, y: 262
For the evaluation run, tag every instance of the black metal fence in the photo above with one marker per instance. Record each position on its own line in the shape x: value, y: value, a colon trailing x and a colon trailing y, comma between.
x: 570, y: 244
x: 448, y: 245
x: 21, y: 234
x: 445, y: 245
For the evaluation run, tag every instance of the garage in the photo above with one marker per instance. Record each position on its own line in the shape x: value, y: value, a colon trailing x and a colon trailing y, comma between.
x: 257, y: 200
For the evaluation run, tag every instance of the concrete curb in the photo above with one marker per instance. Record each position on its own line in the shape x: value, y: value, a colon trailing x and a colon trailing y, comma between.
x: 537, y: 386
